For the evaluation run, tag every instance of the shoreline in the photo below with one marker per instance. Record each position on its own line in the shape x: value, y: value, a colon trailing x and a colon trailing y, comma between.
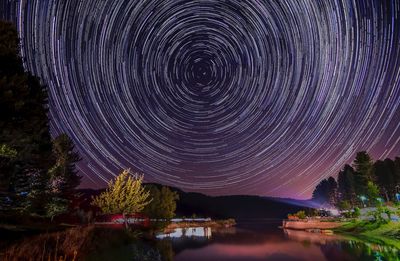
x: 312, y: 224
x: 388, y: 233
x: 222, y: 223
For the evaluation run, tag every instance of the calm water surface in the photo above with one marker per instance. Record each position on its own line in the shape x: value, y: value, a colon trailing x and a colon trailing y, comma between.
x: 263, y: 240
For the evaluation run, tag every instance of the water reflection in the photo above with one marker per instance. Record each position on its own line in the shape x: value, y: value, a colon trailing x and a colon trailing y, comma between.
x: 350, y: 246
x: 186, y: 232
x: 266, y: 242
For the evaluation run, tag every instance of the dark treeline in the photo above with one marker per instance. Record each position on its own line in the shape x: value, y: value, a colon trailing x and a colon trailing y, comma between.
x: 37, y: 174
x: 365, y: 183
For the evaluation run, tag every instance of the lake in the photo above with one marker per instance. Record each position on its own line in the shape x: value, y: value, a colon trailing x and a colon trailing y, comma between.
x: 263, y: 240
x: 250, y: 240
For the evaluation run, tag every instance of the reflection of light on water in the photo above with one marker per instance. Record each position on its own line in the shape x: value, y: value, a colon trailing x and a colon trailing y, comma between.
x: 187, y: 232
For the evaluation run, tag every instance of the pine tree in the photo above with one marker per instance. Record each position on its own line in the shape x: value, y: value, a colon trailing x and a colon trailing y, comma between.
x: 332, y: 191
x: 363, y: 166
x: 7, y: 156
x: 24, y: 126
x: 385, y: 177
x: 64, y: 177
x: 321, y: 192
x: 397, y: 174
x: 346, y: 190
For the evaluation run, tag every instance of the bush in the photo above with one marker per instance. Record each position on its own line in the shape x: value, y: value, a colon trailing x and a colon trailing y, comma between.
x: 344, y: 205
x: 356, y: 212
x: 299, y: 215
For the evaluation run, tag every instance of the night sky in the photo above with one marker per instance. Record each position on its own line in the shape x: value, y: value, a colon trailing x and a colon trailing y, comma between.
x: 261, y: 97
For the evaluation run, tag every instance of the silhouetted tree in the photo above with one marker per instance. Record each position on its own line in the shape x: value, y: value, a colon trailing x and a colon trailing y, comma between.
x: 363, y: 167
x: 321, y: 192
x: 363, y: 185
x: 346, y: 190
x: 397, y: 174
x: 385, y: 177
x: 332, y: 191
x: 23, y: 126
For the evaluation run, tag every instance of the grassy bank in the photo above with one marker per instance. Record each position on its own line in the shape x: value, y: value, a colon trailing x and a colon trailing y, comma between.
x: 388, y: 233
x: 71, y: 244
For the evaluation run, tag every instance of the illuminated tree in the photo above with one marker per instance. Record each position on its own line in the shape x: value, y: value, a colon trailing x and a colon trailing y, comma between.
x: 124, y: 195
x: 372, y: 193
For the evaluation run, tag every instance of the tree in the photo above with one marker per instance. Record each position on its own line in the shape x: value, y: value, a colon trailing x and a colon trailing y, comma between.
x: 372, y: 193
x: 346, y: 191
x: 321, y: 192
x: 385, y: 177
x: 24, y: 130
x: 344, y: 205
x: 56, y: 206
x: 7, y: 155
x: 363, y: 167
x: 163, y: 204
x: 300, y: 214
x: 64, y: 177
x: 396, y: 174
x: 124, y: 195
x: 356, y: 212
x: 332, y: 191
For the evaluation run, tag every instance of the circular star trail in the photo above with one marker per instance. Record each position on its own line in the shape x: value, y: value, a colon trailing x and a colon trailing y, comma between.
x: 222, y: 97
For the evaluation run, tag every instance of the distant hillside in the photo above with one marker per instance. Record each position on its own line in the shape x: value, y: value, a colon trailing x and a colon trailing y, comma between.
x: 239, y: 207
x: 235, y: 206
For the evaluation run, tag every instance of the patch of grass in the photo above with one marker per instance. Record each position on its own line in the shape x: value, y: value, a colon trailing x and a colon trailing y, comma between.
x: 387, y: 233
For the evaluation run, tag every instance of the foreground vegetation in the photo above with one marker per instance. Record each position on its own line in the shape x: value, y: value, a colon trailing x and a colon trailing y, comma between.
x: 79, y: 243
x: 38, y: 178
x: 387, y: 233
x: 37, y: 173
x: 365, y: 183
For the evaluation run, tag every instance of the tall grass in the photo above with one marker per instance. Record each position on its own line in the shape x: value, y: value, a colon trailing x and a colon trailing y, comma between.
x: 69, y: 245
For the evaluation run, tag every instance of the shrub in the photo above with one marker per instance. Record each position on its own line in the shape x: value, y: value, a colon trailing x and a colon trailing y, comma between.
x: 299, y: 215
x: 356, y: 212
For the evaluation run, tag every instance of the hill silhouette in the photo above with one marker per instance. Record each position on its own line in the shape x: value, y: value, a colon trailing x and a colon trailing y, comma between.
x: 234, y: 206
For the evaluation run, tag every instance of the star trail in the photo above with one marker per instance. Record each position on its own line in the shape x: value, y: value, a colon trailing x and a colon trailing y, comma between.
x: 221, y: 97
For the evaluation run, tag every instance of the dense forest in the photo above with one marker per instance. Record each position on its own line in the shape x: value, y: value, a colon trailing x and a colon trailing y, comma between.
x: 37, y: 173
x: 365, y: 183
